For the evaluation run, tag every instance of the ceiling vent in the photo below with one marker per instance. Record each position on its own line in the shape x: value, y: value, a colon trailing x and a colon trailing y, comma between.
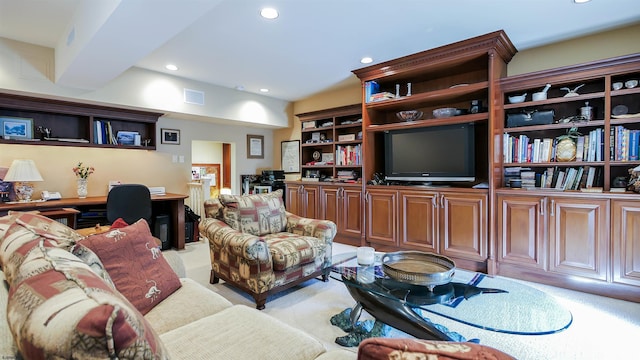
x: 193, y: 97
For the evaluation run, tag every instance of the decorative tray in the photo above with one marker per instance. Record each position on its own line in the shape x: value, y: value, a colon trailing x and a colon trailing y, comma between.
x: 418, y: 268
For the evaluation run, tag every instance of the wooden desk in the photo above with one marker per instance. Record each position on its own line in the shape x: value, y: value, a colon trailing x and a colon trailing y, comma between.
x: 173, y: 204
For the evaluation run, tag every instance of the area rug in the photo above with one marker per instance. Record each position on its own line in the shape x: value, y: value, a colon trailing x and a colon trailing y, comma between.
x: 603, y: 328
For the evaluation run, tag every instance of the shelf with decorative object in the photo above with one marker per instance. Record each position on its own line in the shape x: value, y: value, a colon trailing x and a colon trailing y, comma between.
x: 331, y: 143
x: 583, y: 97
x: 64, y: 123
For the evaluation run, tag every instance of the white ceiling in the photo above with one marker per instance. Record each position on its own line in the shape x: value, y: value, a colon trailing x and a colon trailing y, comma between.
x: 311, y: 47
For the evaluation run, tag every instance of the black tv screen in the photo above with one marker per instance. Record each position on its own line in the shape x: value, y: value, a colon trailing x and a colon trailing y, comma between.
x: 431, y: 154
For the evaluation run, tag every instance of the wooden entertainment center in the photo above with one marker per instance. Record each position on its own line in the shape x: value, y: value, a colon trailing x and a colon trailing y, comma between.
x: 588, y: 241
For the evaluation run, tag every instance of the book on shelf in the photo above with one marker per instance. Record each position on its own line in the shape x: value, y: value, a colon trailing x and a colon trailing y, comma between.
x: 590, y: 176
x: 634, y: 140
x: 583, y: 177
x: 579, y: 148
x: 370, y: 88
x: 570, y: 177
x: 592, y: 189
x: 381, y: 96
x: 548, y: 177
x: 559, y: 179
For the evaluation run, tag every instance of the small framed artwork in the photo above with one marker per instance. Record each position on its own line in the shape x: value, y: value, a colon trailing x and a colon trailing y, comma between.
x: 290, y: 151
x: 170, y: 136
x: 16, y: 128
x: 255, y: 147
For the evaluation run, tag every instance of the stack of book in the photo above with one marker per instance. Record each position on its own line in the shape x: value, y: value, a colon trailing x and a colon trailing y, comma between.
x: 381, y: 96
x: 511, y: 173
x: 528, y: 179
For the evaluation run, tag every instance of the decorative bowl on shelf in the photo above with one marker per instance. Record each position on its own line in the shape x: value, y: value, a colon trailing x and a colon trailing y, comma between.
x: 444, y: 112
x: 409, y: 115
x: 517, y: 98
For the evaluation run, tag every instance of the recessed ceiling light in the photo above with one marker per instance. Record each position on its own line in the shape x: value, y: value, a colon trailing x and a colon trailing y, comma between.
x: 366, y: 60
x: 171, y: 67
x: 581, y: 1
x: 264, y: 90
x: 269, y: 13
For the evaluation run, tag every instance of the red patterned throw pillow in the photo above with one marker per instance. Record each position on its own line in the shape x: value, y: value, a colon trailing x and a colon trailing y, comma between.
x: 392, y: 348
x: 58, y: 308
x: 135, y: 264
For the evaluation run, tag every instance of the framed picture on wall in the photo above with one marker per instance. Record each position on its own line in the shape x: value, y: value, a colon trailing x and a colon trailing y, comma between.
x: 255, y: 147
x: 170, y: 136
x: 290, y: 151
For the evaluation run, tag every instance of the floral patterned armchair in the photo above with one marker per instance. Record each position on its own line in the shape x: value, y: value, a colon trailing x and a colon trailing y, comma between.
x: 259, y: 247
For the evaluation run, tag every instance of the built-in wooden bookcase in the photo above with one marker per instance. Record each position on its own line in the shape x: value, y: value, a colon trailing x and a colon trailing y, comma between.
x: 74, y: 124
x: 586, y: 241
x: 451, y: 76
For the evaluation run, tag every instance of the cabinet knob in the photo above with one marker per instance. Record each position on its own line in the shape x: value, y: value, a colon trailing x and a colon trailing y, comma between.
x: 542, y: 207
x: 552, y: 211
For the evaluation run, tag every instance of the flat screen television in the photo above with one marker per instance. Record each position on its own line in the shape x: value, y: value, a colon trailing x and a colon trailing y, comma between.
x: 431, y: 154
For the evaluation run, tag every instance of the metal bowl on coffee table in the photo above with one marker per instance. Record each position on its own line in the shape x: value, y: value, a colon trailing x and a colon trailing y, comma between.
x: 418, y: 268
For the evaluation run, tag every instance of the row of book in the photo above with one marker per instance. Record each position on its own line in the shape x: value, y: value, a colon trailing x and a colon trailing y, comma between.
x: 624, y: 143
x: 349, y: 155
x: 523, y: 149
x: 558, y: 178
x: 579, y: 178
x: 104, y: 133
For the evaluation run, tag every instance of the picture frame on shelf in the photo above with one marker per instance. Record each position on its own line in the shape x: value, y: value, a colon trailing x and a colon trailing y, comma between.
x: 17, y: 128
x: 290, y: 151
x: 255, y: 146
x: 170, y: 136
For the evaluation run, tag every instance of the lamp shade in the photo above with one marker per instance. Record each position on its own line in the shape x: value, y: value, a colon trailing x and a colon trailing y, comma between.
x: 23, y: 170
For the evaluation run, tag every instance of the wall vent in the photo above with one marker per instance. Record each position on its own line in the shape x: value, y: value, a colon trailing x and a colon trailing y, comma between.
x: 193, y: 97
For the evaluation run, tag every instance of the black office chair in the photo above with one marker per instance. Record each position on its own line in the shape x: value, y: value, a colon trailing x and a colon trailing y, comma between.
x: 131, y: 202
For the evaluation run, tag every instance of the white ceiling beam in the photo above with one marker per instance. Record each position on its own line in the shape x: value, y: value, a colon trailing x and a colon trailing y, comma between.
x: 105, y: 38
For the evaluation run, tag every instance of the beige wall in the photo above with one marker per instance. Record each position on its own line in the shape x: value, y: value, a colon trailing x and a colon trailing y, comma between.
x: 623, y: 41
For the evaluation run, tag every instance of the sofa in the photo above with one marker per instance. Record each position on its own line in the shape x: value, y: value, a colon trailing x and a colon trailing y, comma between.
x: 260, y: 248
x: 116, y: 295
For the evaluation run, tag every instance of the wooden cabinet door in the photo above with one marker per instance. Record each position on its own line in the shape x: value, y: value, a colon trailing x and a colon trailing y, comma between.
x: 626, y: 241
x: 419, y: 221
x: 382, y: 215
x: 302, y: 200
x: 293, y: 199
x: 309, y: 201
x: 463, y: 225
x: 351, y: 212
x: 330, y: 209
x: 343, y: 206
x: 579, y: 236
x: 521, y: 230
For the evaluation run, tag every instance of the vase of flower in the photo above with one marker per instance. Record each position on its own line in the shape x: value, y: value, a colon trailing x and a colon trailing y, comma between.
x: 82, y: 176
x: 82, y: 188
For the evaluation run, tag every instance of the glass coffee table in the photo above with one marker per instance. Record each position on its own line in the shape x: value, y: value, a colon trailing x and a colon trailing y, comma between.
x: 490, y: 303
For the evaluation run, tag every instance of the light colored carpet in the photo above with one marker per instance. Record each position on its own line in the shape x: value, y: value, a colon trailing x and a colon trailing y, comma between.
x: 602, y: 328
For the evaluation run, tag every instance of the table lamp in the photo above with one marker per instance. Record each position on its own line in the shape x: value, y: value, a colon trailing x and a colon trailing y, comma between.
x: 22, y: 173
